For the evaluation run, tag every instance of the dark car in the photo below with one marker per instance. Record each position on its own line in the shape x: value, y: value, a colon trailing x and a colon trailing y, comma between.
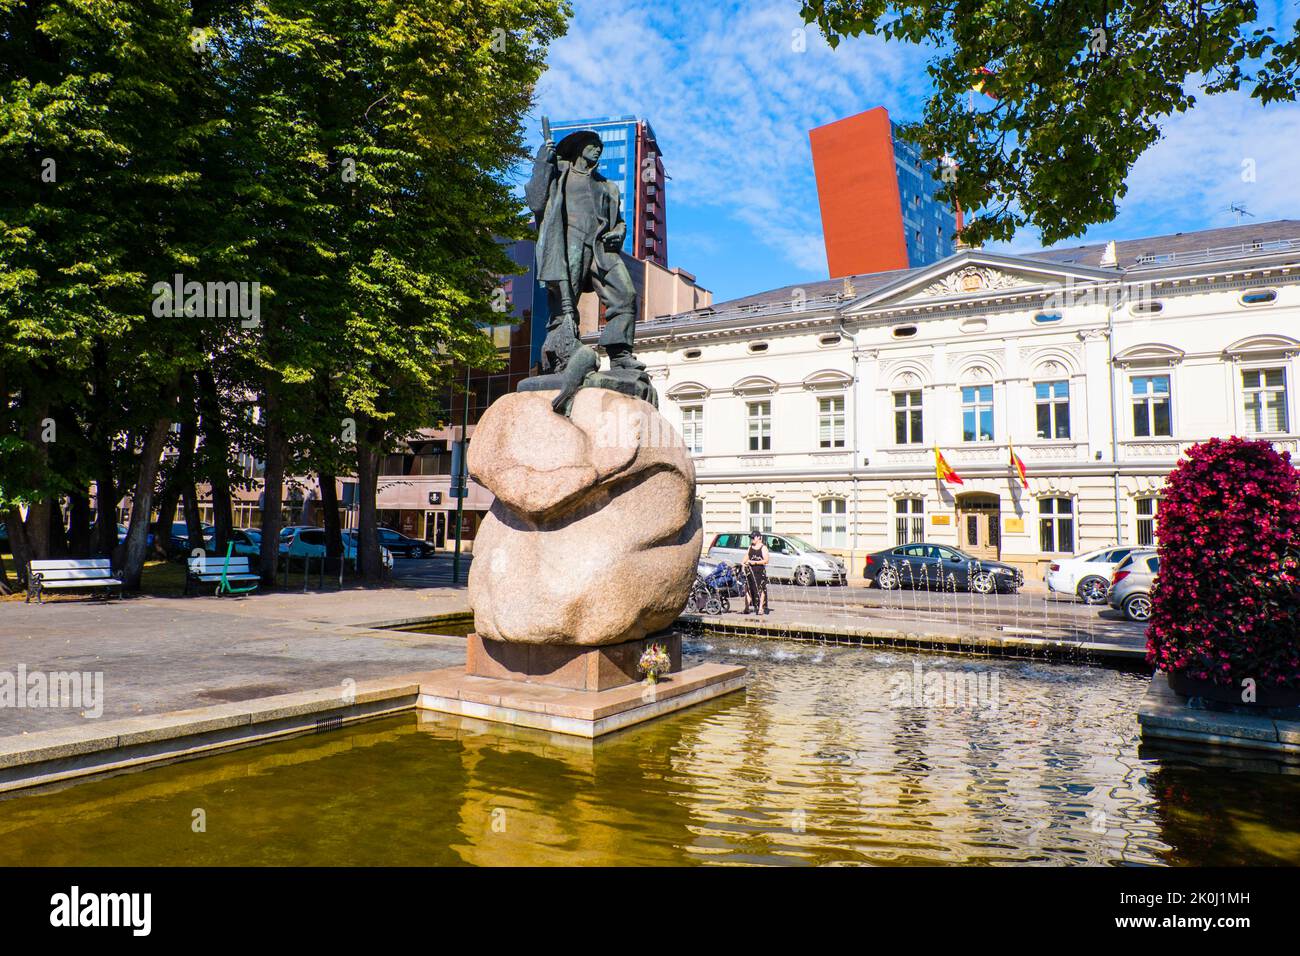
x: 180, y: 536
x: 939, y: 567
x: 404, y: 547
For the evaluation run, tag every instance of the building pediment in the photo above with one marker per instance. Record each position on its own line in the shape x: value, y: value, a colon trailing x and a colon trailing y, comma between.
x: 974, y: 275
x: 971, y: 279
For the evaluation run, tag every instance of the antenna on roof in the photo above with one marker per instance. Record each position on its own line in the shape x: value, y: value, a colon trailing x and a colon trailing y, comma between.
x: 1239, y: 210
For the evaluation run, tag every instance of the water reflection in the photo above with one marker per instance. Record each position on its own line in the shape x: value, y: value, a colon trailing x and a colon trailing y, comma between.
x: 812, y: 765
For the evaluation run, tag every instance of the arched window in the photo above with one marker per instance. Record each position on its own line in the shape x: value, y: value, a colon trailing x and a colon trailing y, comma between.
x: 909, y: 520
x: 977, y: 412
x: 693, y: 428
x: 834, y: 525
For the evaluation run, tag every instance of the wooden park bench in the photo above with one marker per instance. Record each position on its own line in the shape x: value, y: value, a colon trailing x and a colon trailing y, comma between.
x: 53, y: 574
x: 223, y: 572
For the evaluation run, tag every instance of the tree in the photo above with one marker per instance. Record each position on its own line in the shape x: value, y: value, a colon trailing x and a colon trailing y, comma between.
x: 375, y: 140
x: 1076, y: 92
x: 100, y: 130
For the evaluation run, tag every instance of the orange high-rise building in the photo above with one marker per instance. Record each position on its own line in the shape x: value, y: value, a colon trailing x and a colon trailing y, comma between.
x: 877, y: 198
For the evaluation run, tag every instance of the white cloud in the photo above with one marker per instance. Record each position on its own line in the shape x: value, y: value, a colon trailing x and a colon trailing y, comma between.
x: 731, y: 100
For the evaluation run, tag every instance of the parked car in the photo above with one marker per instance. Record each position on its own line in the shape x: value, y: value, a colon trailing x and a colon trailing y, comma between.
x: 121, y: 536
x: 789, y: 558
x: 404, y: 547
x: 728, y: 584
x: 180, y: 535
x: 1087, y: 575
x: 350, y: 543
x: 310, y: 543
x: 1131, y: 584
x: 939, y: 566
x: 247, y: 542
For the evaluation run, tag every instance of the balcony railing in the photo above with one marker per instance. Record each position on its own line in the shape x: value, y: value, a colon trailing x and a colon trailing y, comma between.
x: 1217, y: 253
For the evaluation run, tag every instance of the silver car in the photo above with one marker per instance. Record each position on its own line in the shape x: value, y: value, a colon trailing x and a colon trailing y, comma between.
x: 789, y: 558
x: 1131, y: 583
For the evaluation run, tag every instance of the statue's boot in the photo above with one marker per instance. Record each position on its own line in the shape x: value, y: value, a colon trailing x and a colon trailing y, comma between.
x: 626, y: 359
x: 583, y: 361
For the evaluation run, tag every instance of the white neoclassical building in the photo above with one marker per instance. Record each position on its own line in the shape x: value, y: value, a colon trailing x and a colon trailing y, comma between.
x: 815, y: 410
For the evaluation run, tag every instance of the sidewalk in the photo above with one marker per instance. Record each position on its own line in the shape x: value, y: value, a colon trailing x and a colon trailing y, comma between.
x: 166, y: 654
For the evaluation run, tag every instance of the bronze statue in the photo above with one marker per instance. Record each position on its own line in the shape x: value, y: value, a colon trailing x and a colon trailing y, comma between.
x: 580, y: 232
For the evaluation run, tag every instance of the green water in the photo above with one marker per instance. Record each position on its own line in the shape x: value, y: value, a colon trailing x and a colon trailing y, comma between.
x: 812, y: 765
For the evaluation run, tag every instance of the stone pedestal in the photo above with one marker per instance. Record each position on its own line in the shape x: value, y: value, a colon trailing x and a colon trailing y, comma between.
x: 566, y: 665
x: 578, y: 713
x: 587, y: 557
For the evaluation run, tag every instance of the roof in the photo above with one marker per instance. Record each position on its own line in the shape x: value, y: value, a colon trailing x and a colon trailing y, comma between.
x: 820, y: 289
x: 1175, y: 248
x: 1184, y: 246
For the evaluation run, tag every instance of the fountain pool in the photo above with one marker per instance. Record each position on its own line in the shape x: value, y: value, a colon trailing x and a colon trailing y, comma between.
x: 825, y: 759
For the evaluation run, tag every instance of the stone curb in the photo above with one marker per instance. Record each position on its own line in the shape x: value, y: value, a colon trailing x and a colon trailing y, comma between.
x: 1163, y: 715
x: 1012, y: 645
x: 28, y: 760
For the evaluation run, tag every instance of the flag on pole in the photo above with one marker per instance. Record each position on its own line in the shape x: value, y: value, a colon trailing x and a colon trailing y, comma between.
x: 943, y: 471
x: 982, y: 75
x: 1017, y: 465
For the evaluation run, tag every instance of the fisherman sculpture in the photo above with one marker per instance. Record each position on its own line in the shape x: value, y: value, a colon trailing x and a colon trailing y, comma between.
x: 580, y: 232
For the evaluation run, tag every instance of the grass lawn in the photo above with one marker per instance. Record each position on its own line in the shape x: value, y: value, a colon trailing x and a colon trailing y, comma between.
x: 159, y: 579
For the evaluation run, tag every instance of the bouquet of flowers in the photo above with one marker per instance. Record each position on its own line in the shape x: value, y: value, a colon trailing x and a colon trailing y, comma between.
x: 654, y: 663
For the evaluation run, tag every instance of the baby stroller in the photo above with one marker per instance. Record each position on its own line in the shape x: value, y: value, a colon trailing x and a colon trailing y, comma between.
x: 710, y: 593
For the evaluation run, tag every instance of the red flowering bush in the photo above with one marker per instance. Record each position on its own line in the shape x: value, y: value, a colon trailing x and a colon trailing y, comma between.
x: 1226, y: 606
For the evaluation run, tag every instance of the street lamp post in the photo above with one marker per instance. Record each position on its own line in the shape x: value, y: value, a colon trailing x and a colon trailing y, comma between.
x: 461, y: 482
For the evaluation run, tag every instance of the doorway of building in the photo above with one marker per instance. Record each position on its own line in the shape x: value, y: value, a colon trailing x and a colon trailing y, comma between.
x: 435, y: 528
x: 979, y: 524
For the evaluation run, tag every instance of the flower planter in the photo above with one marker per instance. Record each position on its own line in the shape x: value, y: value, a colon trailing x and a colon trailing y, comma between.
x: 1266, y: 698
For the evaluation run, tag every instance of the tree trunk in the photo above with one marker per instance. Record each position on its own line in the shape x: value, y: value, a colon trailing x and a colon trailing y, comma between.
x: 193, y: 519
x: 18, y: 543
x: 369, y: 559
x: 185, y: 486
x: 272, y: 488
x: 58, y: 535
x: 171, y: 493
x: 105, y: 503
x: 137, y: 535
x: 37, y: 528
x: 216, y: 454
x: 79, y: 524
x: 329, y: 503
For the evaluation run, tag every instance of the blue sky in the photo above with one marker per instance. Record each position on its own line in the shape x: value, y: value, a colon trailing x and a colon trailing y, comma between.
x: 732, y: 89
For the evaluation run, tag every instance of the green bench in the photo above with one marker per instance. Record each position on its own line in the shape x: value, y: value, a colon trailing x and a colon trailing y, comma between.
x: 222, y: 572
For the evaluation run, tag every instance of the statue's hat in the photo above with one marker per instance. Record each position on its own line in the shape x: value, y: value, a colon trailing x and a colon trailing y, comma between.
x: 572, y: 145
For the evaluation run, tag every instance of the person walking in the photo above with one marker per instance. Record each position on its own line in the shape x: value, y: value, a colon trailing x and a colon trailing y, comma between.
x: 755, y: 561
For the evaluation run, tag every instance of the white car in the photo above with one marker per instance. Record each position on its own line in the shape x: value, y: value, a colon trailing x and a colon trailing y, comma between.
x: 789, y: 558
x: 310, y: 543
x: 1087, y: 576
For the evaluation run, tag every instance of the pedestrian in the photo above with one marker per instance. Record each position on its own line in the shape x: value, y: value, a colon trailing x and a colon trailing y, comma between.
x: 755, y: 561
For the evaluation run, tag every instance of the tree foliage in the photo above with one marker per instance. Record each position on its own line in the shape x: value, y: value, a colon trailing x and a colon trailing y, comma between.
x: 346, y: 159
x: 1072, y: 92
